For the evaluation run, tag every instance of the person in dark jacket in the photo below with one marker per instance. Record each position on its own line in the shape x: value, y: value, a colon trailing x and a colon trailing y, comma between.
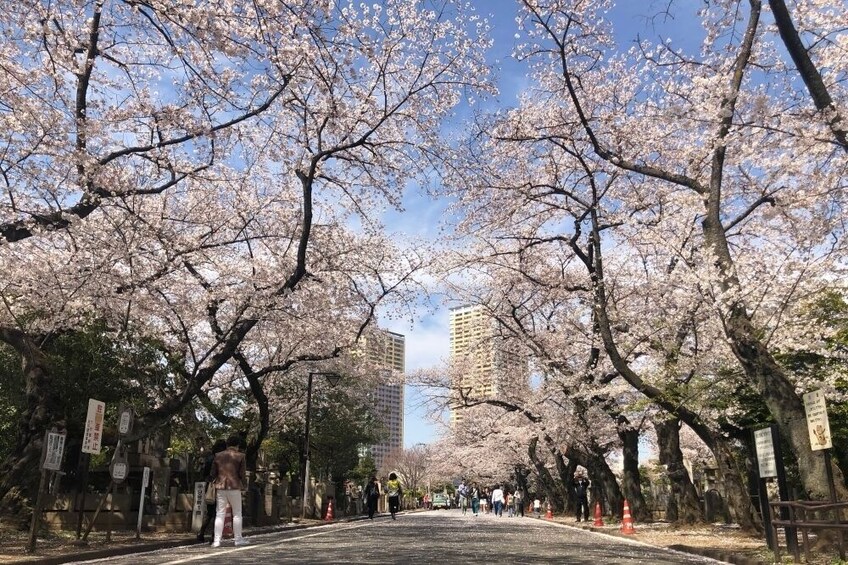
x: 219, y: 446
x: 372, y: 494
x: 229, y: 473
x: 580, y: 486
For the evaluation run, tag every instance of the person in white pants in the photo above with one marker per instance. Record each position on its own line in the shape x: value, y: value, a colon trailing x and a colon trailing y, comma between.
x: 229, y: 473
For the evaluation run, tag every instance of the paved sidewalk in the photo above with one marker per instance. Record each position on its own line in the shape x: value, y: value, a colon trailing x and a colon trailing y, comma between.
x: 123, y: 543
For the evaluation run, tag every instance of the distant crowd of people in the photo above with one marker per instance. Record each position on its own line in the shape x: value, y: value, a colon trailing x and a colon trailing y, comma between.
x: 497, y: 499
x: 480, y: 500
x: 489, y: 500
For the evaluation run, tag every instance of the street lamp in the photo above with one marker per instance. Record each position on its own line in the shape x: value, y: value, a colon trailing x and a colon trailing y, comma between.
x: 332, y: 380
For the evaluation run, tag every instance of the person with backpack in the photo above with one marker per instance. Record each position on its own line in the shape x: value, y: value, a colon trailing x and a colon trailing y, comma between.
x: 372, y: 495
x: 395, y: 493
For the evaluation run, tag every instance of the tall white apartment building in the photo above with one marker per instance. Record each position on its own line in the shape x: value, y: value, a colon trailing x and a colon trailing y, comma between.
x: 387, y: 352
x: 484, y: 364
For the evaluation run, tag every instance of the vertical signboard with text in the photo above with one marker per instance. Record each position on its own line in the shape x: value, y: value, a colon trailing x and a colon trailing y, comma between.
x: 93, y: 435
x: 54, y: 448
x: 818, y: 424
x: 764, y: 444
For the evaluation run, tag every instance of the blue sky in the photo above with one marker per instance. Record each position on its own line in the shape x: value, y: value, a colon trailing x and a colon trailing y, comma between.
x: 427, y: 341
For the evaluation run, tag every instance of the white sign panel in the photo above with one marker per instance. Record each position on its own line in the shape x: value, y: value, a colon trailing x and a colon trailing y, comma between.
x: 817, y: 422
x: 199, y: 496
x: 125, y: 422
x: 198, y: 511
x: 93, y: 435
x: 120, y: 469
x: 53, y: 451
x: 765, y: 453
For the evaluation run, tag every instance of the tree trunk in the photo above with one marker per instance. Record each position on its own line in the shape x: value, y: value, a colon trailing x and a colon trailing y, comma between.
x: 683, y: 503
x: 561, y: 501
x: 738, y: 499
x: 547, y: 484
x: 521, y: 473
x: 631, y: 484
x: 605, y: 487
x: 772, y: 383
x: 19, y: 482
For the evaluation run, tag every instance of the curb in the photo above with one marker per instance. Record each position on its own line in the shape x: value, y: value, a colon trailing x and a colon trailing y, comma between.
x: 143, y: 547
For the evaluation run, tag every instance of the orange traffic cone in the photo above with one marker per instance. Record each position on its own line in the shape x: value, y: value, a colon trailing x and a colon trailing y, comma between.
x: 328, y: 517
x: 627, y: 521
x: 599, y: 519
x: 228, y: 523
x: 549, y: 515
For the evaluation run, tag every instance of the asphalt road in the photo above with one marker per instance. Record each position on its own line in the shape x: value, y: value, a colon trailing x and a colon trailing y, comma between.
x: 440, y: 536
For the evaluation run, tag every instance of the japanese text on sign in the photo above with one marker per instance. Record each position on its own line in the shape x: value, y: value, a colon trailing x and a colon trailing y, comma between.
x: 765, y: 453
x: 55, y: 447
x: 817, y: 421
x: 93, y: 435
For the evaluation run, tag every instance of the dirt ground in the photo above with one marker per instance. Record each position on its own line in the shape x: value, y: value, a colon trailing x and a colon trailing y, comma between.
x: 727, y: 538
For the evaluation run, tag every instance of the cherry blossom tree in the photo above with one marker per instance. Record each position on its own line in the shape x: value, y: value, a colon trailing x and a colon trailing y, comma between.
x: 224, y: 180
x: 736, y: 166
x: 675, y: 244
x: 817, y: 20
x: 105, y: 99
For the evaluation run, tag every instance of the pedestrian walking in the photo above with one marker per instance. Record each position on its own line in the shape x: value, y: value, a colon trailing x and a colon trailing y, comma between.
x: 475, y: 499
x: 518, y: 501
x: 580, y: 486
x: 395, y: 493
x: 463, y: 493
x: 509, y: 504
x: 498, y: 501
x: 537, y: 507
x: 211, y: 496
x: 229, y: 473
x: 372, y: 494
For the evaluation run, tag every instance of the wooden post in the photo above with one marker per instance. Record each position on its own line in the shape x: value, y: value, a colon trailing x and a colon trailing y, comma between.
x: 85, y: 463
x: 836, y: 513
x: 36, y: 513
x: 111, y: 512
x: 97, y: 512
x: 145, y: 477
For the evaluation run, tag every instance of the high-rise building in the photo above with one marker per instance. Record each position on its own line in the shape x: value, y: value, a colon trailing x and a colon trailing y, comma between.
x: 485, y: 364
x: 386, y: 351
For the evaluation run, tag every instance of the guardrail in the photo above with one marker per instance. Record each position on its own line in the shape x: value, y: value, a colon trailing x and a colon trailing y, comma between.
x: 808, y: 516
